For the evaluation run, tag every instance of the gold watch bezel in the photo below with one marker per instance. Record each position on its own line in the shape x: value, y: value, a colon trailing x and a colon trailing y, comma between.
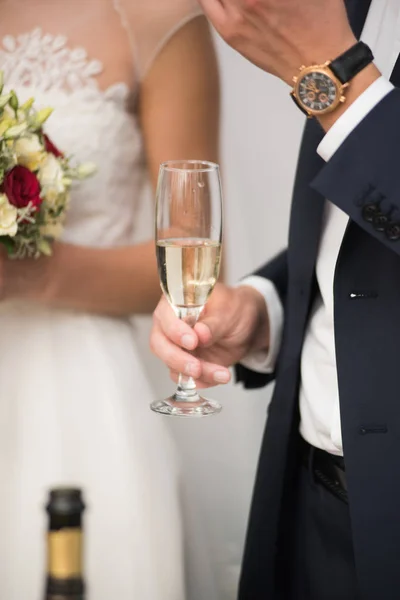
x: 340, y: 87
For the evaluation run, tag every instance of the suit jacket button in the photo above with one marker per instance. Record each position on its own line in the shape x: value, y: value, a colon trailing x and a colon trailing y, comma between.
x: 380, y: 222
x: 392, y: 232
x: 369, y: 211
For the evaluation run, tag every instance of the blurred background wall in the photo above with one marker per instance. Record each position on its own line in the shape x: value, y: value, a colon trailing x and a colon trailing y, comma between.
x: 260, y: 138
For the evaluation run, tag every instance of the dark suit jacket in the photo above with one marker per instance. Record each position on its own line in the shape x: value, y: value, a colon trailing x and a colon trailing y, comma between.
x: 363, y: 179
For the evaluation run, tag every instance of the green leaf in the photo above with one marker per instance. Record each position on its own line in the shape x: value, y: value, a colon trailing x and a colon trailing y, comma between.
x: 14, y: 101
x: 8, y: 244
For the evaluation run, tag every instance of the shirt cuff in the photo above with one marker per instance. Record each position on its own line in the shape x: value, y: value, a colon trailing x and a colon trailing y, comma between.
x: 264, y: 361
x: 353, y: 116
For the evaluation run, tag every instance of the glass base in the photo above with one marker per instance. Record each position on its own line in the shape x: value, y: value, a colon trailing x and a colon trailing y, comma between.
x: 189, y: 408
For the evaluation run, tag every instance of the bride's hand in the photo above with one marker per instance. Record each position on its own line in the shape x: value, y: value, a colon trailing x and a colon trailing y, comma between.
x: 90, y: 279
x: 28, y: 278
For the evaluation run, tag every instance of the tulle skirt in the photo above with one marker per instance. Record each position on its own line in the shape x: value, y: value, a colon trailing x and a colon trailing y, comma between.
x: 74, y: 410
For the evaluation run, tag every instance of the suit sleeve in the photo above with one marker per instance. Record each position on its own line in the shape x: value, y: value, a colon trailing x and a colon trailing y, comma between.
x: 362, y: 177
x: 275, y: 271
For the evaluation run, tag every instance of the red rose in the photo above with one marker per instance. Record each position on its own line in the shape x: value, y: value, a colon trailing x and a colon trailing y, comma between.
x: 50, y: 147
x: 21, y: 186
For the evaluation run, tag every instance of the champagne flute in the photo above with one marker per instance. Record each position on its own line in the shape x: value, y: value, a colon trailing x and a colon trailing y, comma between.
x: 188, y: 246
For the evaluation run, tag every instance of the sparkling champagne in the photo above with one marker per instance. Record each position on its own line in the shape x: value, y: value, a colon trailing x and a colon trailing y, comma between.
x: 64, y: 579
x: 188, y: 269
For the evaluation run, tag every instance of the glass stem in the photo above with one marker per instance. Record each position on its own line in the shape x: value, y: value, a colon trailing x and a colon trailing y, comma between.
x: 186, y: 390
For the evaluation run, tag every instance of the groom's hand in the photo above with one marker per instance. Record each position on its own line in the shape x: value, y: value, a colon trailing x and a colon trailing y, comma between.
x: 234, y: 322
x: 281, y: 35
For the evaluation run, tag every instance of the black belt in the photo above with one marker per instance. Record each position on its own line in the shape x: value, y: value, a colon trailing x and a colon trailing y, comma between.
x: 327, y: 469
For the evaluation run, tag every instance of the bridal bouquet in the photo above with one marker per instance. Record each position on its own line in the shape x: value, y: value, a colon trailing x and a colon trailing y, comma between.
x: 35, y: 179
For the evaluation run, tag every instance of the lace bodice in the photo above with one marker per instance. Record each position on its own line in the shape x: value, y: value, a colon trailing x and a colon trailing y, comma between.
x: 86, y: 61
x: 46, y: 62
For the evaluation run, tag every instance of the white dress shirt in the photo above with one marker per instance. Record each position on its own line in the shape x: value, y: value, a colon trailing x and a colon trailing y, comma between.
x: 319, y: 394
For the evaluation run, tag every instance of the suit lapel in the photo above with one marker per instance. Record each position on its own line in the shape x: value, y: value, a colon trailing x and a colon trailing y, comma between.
x: 357, y: 11
x: 395, y: 77
x: 308, y: 205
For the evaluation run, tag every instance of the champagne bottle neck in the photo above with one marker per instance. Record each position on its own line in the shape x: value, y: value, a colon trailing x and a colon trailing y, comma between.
x: 64, y: 546
x: 64, y: 568
x: 67, y: 590
x: 65, y: 553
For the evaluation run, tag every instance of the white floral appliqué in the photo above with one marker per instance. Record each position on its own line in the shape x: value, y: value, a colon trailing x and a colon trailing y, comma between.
x: 45, y: 62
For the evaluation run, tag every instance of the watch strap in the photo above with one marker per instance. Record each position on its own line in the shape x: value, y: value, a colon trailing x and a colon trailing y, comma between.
x: 299, y: 104
x: 350, y: 63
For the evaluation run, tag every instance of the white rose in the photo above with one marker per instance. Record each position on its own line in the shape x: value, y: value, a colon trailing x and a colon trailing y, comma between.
x: 51, y: 178
x: 29, y: 151
x: 8, y: 217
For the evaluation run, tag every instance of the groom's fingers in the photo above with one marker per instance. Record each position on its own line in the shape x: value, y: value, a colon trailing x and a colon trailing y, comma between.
x: 211, y: 375
x: 179, y: 332
x: 199, y: 383
x: 214, y: 10
x: 174, y: 357
x: 204, y: 333
x: 211, y: 329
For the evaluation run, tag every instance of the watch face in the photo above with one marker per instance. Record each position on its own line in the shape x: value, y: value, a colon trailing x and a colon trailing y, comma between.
x: 317, y: 91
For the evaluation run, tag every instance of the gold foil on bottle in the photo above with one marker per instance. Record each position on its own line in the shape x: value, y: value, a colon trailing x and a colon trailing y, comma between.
x: 65, y: 553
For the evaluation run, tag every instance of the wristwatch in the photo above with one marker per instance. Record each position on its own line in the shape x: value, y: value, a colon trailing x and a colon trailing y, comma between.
x: 320, y: 89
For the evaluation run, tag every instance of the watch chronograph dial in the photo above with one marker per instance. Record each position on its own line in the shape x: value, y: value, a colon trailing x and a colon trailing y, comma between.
x: 317, y: 91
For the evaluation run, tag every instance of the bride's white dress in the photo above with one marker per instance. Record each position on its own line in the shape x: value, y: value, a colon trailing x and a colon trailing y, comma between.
x: 74, y: 400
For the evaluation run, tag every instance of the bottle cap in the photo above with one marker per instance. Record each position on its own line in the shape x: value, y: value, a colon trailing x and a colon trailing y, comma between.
x: 65, y: 501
